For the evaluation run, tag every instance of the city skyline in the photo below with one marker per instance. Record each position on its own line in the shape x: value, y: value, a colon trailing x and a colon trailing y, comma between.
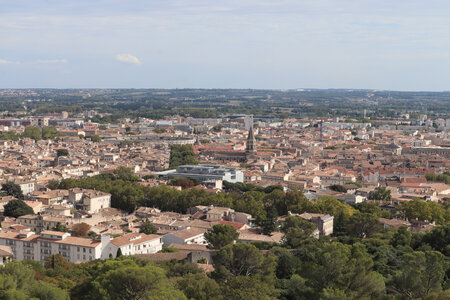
x: 228, y: 44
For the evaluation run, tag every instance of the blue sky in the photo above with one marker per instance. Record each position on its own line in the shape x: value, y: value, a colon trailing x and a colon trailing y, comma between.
x: 279, y: 44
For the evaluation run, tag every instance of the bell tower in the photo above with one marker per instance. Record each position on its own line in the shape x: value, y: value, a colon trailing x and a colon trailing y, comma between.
x: 251, y: 143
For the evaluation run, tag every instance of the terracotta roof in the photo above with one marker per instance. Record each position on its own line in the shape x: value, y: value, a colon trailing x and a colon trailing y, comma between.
x: 188, y: 233
x: 5, y: 251
x: 133, y: 238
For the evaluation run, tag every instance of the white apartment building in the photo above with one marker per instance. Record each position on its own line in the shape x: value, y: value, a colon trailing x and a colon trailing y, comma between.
x: 136, y: 243
x: 26, y: 187
x: 28, y: 245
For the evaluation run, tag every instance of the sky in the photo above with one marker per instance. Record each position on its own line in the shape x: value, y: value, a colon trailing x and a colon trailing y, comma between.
x: 261, y: 44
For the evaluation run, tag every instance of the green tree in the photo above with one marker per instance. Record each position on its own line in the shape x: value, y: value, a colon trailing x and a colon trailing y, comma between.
x: 43, y: 290
x: 380, y: 194
x: 147, y: 227
x: 60, y: 227
x: 12, y: 189
x: 439, y: 239
x: 363, y: 225
x: 421, y: 274
x: 221, y: 235
x: 119, y: 252
x: 17, y: 208
x: 297, y: 230
x: 32, y: 133
x: 270, y: 224
x: 96, y: 138
x: 200, y: 287
x: 22, y: 274
x: 57, y: 261
x: 242, y: 260
x: 338, y: 188
x: 49, y: 132
x: 147, y: 282
x: 62, y: 152
x: 402, y: 237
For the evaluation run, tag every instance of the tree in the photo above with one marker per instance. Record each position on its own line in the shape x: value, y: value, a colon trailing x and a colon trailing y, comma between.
x: 57, y: 261
x: 380, y: 194
x: 439, y: 239
x: 20, y: 272
x: 270, y: 224
x: 147, y: 282
x: 60, y: 227
x: 12, y: 189
x: 43, y: 290
x: 119, y: 252
x: 17, y: 208
x: 147, y: 227
x: 81, y: 229
x: 420, y: 274
x: 32, y: 133
x: 125, y: 174
x: 402, y: 237
x: 340, y: 225
x: 62, y: 152
x: 242, y: 260
x: 297, y: 230
x: 200, y: 287
x: 363, y: 225
x: 96, y: 138
x: 49, y: 132
x: 221, y: 235
x: 338, y: 188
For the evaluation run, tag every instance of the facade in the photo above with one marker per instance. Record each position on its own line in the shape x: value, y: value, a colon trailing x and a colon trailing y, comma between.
x: 136, y: 243
x: 323, y: 222
x: 89, y: 200
x: 207, y: 172
x: 39, y: 223
x: 28, y: 245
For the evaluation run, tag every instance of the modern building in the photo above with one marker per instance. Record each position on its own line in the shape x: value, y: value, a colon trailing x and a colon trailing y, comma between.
x: 206, y: 172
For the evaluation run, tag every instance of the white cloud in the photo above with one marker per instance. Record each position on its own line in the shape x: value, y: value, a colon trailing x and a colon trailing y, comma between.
x: 128, y: 58
x: 52, y: 61
x: 8, y: 62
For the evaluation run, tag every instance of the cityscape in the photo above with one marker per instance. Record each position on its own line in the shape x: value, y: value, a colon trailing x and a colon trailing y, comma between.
x: 229, y: 150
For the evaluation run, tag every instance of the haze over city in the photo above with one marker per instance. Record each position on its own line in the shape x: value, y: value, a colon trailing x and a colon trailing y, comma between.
x: 396, y: 45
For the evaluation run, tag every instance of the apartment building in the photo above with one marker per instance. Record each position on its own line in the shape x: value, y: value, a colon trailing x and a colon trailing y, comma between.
x: 28, y: 245
x: 89, y: 200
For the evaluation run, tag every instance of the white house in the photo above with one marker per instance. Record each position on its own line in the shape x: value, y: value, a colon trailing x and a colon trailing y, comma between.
x: 136, y: 243
x: 190, y: 235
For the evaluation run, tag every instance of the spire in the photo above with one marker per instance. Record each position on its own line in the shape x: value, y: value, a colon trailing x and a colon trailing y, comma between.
x: 251, y: 141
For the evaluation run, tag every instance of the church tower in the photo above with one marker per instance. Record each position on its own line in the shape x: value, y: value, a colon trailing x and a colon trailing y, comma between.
x: 251, y: 144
